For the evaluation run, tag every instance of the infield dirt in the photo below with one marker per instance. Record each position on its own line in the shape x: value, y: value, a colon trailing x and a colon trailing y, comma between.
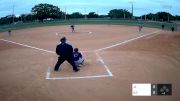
x: 151, y: 59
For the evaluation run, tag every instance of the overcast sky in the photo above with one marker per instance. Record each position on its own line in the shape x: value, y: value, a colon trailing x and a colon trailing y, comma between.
x: 99, y: 6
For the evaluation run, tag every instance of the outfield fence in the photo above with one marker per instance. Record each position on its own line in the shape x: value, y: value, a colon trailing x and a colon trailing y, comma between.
x: 151, y: 24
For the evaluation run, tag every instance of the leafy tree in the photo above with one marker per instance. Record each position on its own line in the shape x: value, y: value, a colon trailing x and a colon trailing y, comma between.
x: 164, y: 16
x: 68, y: 16
x: 150, y: 16
x: 76, y: 15
x: 8, y: 19
x: 27, y: 17
x: 92, y: 15
x: 119, y: 13
x: 44, y: 11
x: 63, y: 15
x: 103, y: 16
x: 177, y: 17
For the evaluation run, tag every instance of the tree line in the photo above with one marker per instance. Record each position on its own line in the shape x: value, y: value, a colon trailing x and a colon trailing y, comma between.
x: 160, y: 16
x: 45, y: 11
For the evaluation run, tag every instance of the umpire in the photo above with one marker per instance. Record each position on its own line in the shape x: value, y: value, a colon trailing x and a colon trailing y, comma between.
x: 65, y: 52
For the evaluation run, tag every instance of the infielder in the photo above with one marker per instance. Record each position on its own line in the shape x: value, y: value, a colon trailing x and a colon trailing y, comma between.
x: 9, y: 32
x: 72, y: 28
x: 162, y: 26
x: 140, y: 28
x: 172, y: 29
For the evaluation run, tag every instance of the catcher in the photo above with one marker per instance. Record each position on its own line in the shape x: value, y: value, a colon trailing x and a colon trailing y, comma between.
x: 78, y: 58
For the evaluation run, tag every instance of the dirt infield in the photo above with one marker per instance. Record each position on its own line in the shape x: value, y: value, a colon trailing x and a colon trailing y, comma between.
x: 116, y: 56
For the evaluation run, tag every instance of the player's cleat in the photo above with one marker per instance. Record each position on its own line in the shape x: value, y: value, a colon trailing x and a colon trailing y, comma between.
x: 76, y: 70
x: 78, y: 66
x: 55, y: 70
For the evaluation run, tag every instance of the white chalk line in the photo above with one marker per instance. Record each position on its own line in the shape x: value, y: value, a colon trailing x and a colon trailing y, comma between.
x: 32, y: 47
x: 68, y: 78
x: 61, y: 33
x: 151, y: 36
x: 88, y: 32
x: 96, y: 52
x: 126, y: 41
x: 24, y: 45
x: 101, y: 60
x: 103, y: 63
x: 48, y: 72
x: 83, y: 77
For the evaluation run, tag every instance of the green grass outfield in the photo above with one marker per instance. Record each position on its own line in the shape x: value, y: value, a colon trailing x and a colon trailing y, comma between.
x: 4, y: 28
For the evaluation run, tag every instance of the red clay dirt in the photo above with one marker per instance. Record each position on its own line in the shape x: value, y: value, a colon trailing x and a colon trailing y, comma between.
x: 151, y: 59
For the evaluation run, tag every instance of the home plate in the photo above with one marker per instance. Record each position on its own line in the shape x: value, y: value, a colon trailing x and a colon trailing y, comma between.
x: 90, y: 32
x: 56, y: 33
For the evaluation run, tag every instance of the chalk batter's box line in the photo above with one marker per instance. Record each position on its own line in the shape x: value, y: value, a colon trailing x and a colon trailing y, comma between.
x: 98, y: 50
x: 100, y: 59
x: 48, y: 73
x: 83, y: 77
x: 68, y: 78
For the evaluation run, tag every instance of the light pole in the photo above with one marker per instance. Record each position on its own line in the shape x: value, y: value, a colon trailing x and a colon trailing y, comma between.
x: 85, y: 14
x: 132, y: 7
x: 13, y: 11
x: 13, y: 14
x: 97, y: 12
x: 65, y: 13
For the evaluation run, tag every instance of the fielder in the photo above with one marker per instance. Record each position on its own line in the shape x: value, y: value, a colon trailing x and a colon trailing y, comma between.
x: 140, y: 28
x: 162, y: 26
x: 9, y: 32
x: 172, y: 29
x: 72, y: 28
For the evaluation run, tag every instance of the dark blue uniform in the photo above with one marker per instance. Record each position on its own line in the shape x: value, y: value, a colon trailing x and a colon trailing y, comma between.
x: 65, y: 52
x: 77, y: 56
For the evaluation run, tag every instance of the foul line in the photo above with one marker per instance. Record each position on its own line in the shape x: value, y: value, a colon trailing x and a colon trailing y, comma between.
x: 126, y: 41
x: 28, y: 46
x: 40, y: 49
x: 61, y: 78
x: 151, y: 36
x: 96, y: 52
